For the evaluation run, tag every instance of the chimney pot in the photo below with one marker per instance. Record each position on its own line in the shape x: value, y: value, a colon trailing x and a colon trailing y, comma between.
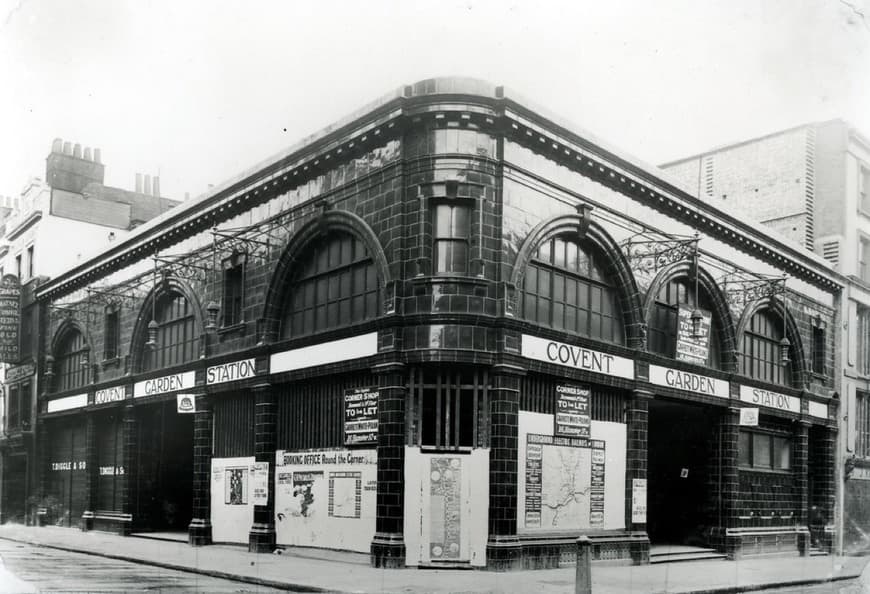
x: 67, y: 148
x: 139, y: 183
x: 147, y: 189
x: 88, y: 154
x: 57, y: 145
x: 77, y: 151
x: 98, y: 158
x: 155, y: 188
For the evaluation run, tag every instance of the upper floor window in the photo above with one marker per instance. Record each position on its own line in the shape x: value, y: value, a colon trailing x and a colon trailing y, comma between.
x: 862, y: 423
x: 761, y: 352
x: 71, y: 362
x: 864, y: 189
x: 864, y: 259
x: 663, y: 325
x: 819, y: 352
x: 234, y: 287
x: 863, y: 330
x: 18, y: 266
x: 30, y: 262
x: 336, y: 285
x: 452, y: 227
x: 111, y: 334
x: 177, y: 338
x: 566, y: 289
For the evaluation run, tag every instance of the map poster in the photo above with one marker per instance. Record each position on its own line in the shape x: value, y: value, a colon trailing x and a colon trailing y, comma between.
x: 361, y: 416
x: 564, y: 482
x: 689, y: 348
x: 572, y: 411
x: 445, y: 500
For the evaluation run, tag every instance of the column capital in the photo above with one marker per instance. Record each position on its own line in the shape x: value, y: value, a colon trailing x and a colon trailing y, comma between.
x: 261, y: 386
x: 388, y: 367
x: 642, y: 393
x: 508, y: 369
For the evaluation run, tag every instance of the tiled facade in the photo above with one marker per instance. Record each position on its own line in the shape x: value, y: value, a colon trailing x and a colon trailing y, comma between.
x: 458, y: 342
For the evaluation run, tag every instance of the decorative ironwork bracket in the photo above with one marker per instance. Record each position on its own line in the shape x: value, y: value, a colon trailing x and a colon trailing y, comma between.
x: 740, y: 291
x: 649, y: 255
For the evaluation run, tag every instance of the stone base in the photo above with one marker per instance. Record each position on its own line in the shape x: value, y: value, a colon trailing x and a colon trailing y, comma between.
x: 261, y: 538
x: 738, y: 543
x: 87, y: 521
x: 388, y: 550
x: 116, y: 523
x: 504, y: 553
x: 199, y: 532
x: 553, y: 551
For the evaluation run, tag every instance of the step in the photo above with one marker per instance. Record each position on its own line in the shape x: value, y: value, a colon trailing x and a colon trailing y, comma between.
x: 818, y: 553
x: 659, y: 551
x: 679, y: 557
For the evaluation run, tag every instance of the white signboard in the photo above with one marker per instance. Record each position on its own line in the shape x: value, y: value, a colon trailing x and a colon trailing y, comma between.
x: 232, y: 508
x: 113, y: 394
x: 638, y: 501
x: 67, y: 403
x: 260, y: 483
x: 230, y: 372
x: 162, y: 385
x: 749, y: 417
x: 577, y: 357
x: 335, y: 351
x: 769, y: 399
x: 818, y: 410
x: 186, y: 403
x: 690, y: 382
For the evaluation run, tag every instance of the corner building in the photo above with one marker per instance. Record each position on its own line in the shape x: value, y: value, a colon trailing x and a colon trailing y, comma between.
x: 448, y: 330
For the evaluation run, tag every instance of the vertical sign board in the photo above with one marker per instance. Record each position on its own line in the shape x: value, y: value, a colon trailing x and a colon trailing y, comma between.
x: 572, y: 411
x: 10, y: 317
x: 690, y: 348
x: 260, y: 483
x: 361, y: 416
x: 638, y: 501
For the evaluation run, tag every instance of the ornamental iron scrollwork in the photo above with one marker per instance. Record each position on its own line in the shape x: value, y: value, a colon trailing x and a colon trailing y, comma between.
x: 651, y: 255
x: 740, y: 290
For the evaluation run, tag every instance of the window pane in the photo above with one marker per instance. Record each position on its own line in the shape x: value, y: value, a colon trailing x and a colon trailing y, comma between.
x: 761, y: 450
x: 782, y: 451
x: 744, y: 449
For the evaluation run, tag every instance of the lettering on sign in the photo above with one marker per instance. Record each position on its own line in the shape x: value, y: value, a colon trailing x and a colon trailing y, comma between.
x: 162, y: 385
x: 638, y: 501
x: 186, y: 403
x: 769, y: 399
x: 111, y: 470
x: 13, y: 374
x: 749, y: 417
x: 77, y: 465
x: 575, y: 356
x: 231, y: 372
x: 10, y: 315
x: 113, y: 394
x: 361, y: 416
x: 694, y: 349
x: 690, y: 382
x: 572, y: 416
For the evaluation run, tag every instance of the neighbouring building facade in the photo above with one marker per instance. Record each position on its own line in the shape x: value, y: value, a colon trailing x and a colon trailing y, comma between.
x: 448, y: 330
x: 54, y: 225
x: 812, y: 184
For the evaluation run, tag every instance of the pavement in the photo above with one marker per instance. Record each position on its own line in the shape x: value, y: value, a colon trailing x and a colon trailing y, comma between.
x: 323, y: 571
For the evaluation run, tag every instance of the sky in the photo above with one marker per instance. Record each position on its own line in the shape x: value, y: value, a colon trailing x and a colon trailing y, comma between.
x: 198, y: 91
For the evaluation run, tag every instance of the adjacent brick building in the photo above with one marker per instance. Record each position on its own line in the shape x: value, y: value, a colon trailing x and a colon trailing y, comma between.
x: 448, y: 330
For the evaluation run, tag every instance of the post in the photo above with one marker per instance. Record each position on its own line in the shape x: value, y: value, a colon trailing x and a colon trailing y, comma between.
x: 583, y: 577
x: 800, y: 468
x: 636, y: 458
x: 129, y: 507
x: 261, y: 539
x: 199, y: 530
x: 90, y: 472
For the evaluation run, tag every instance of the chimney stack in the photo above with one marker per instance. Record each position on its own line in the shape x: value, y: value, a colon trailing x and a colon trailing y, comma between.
x: 70, y: 167
x: 147, y: 189
x: 139, y: 183
x: 98, y: 157
x: 57, y: 145
x: 67, y: 148
x: 155, y: 188
x: 77, y: 151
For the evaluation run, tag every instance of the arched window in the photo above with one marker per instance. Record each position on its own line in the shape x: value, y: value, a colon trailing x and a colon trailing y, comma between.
x: 336, y: 285
x: 761, y: 355
x: 564, y: 288
x: 663, y: 321
x: 71, y: 361
x: 177, y: 335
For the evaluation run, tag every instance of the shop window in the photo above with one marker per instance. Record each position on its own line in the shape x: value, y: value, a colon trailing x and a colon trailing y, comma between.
x: 818, y: 351
x: 177, y: 338
x: 761, y: 357
x: 452, y: 225
x: 451, y: 408
x: 663, y: 324
x: 565, y: 288
x: 336, y: 286
x: 111, y: 334
x: 234, y: 290
x: 71, y: 362
x: 13, y: 407
x: 862, y: 424
x: 764, y: 451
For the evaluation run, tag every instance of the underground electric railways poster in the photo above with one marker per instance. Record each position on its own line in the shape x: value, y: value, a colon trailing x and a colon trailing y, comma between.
x: 572, y: 411
x: 361, y: 416
x: 564, y: 482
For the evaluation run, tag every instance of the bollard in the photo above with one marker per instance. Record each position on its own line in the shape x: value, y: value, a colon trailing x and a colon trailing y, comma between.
x: 583, y: 580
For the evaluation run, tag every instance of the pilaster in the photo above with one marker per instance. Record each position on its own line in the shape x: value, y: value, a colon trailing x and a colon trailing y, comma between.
x: 131, y: 452
x: 261, y: 538
x: 90, y: 487
x: 636, y: 465
x: 199, y: 531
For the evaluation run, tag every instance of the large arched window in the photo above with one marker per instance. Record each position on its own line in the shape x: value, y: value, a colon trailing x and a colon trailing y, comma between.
x: 565, y: 288
x: 335, y: 285
x: 761, y: 357
x: 177, y: 339
x: 663, y: 323
x: 71, y: 361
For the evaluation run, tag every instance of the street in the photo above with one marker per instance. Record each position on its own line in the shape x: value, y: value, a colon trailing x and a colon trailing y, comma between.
x: 843, y: 587
x: 37, y: 569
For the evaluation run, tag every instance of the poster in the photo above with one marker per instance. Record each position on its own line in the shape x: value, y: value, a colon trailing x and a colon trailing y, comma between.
x: 236, y: 486
x: 638, y: 501
x: 572, y: 411
x: 345, y: 494
x: 445, y: 502
x: 689, y: 348
x: 361, y: 416
x: 260, y: 486
x: 565, y: 482
x: 10, y: 315
x: 305, y: 492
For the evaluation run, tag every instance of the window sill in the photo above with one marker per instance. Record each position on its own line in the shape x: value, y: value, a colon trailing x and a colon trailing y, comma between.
x: 446, y: 449
x: 450, y: 278
x: 240, y: 328
x: 764, y: 470
x: 113, y: 362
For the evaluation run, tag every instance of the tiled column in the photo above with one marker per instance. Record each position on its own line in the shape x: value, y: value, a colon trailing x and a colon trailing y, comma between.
x: 800, y: 468
x: 261, y: 539
x: 729, y: 483
x: 503, y: 549
x: 131, y: 450
x: 41, y: 470
x: 636, y: 454
x: 822, y: 456
x: 199, y: 531
x: 90, y: 471
x: 388, y: 544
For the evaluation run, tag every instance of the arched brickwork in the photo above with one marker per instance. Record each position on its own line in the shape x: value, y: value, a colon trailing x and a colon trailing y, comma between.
x: 721, y: 311
x: 616, y: 266
x: 140, y: 330
x: 799, y: 370
x: 66, y: 326
x: 330, y: 220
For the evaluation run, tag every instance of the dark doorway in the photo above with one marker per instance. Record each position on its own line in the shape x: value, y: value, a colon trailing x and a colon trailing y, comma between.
x: 14, y: 489
x: 164, y: 478
x: 680, y: 448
